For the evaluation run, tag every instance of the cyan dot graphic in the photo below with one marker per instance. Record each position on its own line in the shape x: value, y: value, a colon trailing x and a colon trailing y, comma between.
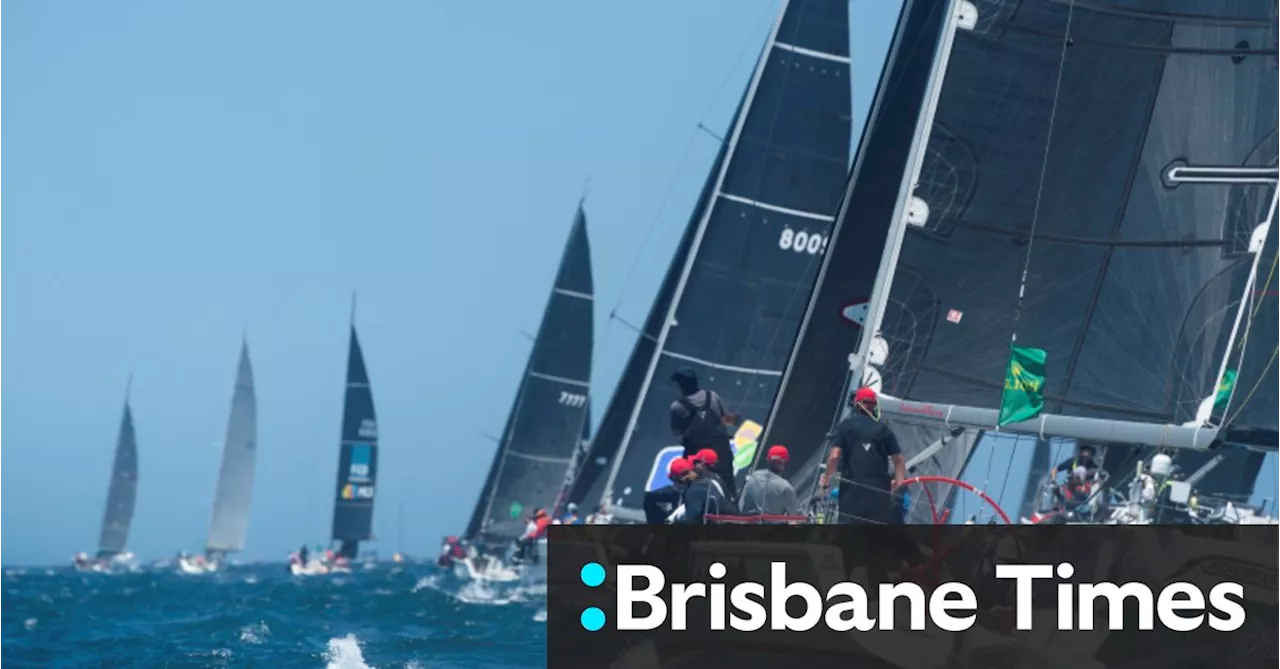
x: 592, y: 574
x: 592, y: 619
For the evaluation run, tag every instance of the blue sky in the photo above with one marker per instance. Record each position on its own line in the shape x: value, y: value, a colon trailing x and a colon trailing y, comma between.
x: 180, y: 173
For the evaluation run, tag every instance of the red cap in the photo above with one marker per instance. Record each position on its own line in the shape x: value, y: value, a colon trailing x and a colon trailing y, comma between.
x: 865, y: 396
x: 707, y: 457
x: 779, y: 453
x: 679, y: 467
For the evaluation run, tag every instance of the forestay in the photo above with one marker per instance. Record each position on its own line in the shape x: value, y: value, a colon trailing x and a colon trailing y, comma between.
x: 756, y: 246
x: 548, y: 418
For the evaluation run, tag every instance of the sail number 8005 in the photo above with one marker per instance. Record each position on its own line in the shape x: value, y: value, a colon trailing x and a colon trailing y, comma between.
x: 802, y: 241
x: 572, y: 399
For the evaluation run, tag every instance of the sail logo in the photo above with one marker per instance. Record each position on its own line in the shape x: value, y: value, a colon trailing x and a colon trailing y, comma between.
x: 361, y: 468
x: 573, y: 400
x: 351, y: 491
x: 368, y: 429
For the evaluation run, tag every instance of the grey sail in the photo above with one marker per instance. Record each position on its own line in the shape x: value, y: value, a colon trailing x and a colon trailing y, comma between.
x: 756, y: 245
x: 1093, y: 176
x: 357, y: 457
x: 230, y: 524
x: 122, y: 492
x: 544, y: 430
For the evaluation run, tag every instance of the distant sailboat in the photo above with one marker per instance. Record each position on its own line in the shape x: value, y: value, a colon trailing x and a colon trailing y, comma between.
x: 357, y: 457
x: 231, y: 504
x: 122, y: 494
x: 535, y: 455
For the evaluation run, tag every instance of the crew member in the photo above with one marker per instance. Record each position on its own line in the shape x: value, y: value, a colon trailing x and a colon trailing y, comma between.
x: 571, y: 515
x: 767, y: 491
x: 704, y: 494
x: 536, y: 530
x: 700, y: 420
x: 661, y: 502
x: 1084, y: 458
x: 865, y: 448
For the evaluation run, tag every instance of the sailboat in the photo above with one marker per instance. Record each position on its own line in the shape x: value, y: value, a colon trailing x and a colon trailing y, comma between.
x: 541, y: 442
x: 1108, y: 212
x: 733, y: 297
x: 357, y: 470
x: 230, y: 523
x: 122, y: 495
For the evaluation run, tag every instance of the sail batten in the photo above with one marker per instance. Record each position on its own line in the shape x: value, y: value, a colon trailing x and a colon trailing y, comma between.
x: 1155, y: 133
x: 122, y: 490
x: 357, y: 456
x: 733, y: 298
x: 536, y: 453
x: 230, y: 524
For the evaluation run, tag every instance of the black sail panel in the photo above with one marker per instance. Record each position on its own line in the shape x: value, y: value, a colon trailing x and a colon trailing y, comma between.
x: 1132, y: 264
x: 764, y: 230
x: 588, y: 487
x: 122, y: 492
x: 548, y: 419
x: 810, y: 396
x: 358, y: 456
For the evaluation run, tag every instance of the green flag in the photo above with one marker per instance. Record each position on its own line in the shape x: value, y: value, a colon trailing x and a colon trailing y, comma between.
x: 1224, y: 388
x: 1023, y: 385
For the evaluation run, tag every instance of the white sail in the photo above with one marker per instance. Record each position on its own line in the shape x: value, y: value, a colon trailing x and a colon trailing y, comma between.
x: 235, y: 480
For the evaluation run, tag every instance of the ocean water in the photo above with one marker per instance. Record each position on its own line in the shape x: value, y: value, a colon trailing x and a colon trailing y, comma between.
x: 407, y: 615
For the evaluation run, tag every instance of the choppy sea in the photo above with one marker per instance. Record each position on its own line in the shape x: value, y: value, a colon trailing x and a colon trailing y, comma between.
x: 407, y: 615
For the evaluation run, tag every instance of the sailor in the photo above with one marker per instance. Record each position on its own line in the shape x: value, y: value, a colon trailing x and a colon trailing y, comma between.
x: 1084, y: 458
x: 699, y: 419
x: 661, y: 502
x: 571, y: 515
x: 536, y: 530
x: 865, y: 448
x: 766, y: 491
x: 703, y: 494
x: 302, y: 555
x: 601, y: 516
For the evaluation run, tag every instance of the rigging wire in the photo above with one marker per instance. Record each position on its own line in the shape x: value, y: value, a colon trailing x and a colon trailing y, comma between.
x: 675, y: 176
x: 1035, y: 215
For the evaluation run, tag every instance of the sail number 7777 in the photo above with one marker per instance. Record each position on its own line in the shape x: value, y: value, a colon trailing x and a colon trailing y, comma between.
x: 572, y: 399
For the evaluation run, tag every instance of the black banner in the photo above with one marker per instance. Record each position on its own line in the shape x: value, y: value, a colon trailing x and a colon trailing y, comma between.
x: 980, y: 596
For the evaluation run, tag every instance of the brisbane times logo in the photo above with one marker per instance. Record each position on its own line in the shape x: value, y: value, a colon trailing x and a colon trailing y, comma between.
x: 645, y: 601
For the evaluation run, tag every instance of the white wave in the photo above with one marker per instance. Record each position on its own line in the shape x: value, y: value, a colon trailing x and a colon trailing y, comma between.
x: 30, y: 623
x: 344, y: 653
x: 255, y: 633
x: 540, y: 616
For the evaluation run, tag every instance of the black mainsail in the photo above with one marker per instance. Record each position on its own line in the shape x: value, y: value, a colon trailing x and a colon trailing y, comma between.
x: 815, y: 386
x: 230, y: 523
x: 548, y: 418
x: 122, y: 492
x: 754, y: 249
x: 1096, y: 180
x: 357, y: 457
